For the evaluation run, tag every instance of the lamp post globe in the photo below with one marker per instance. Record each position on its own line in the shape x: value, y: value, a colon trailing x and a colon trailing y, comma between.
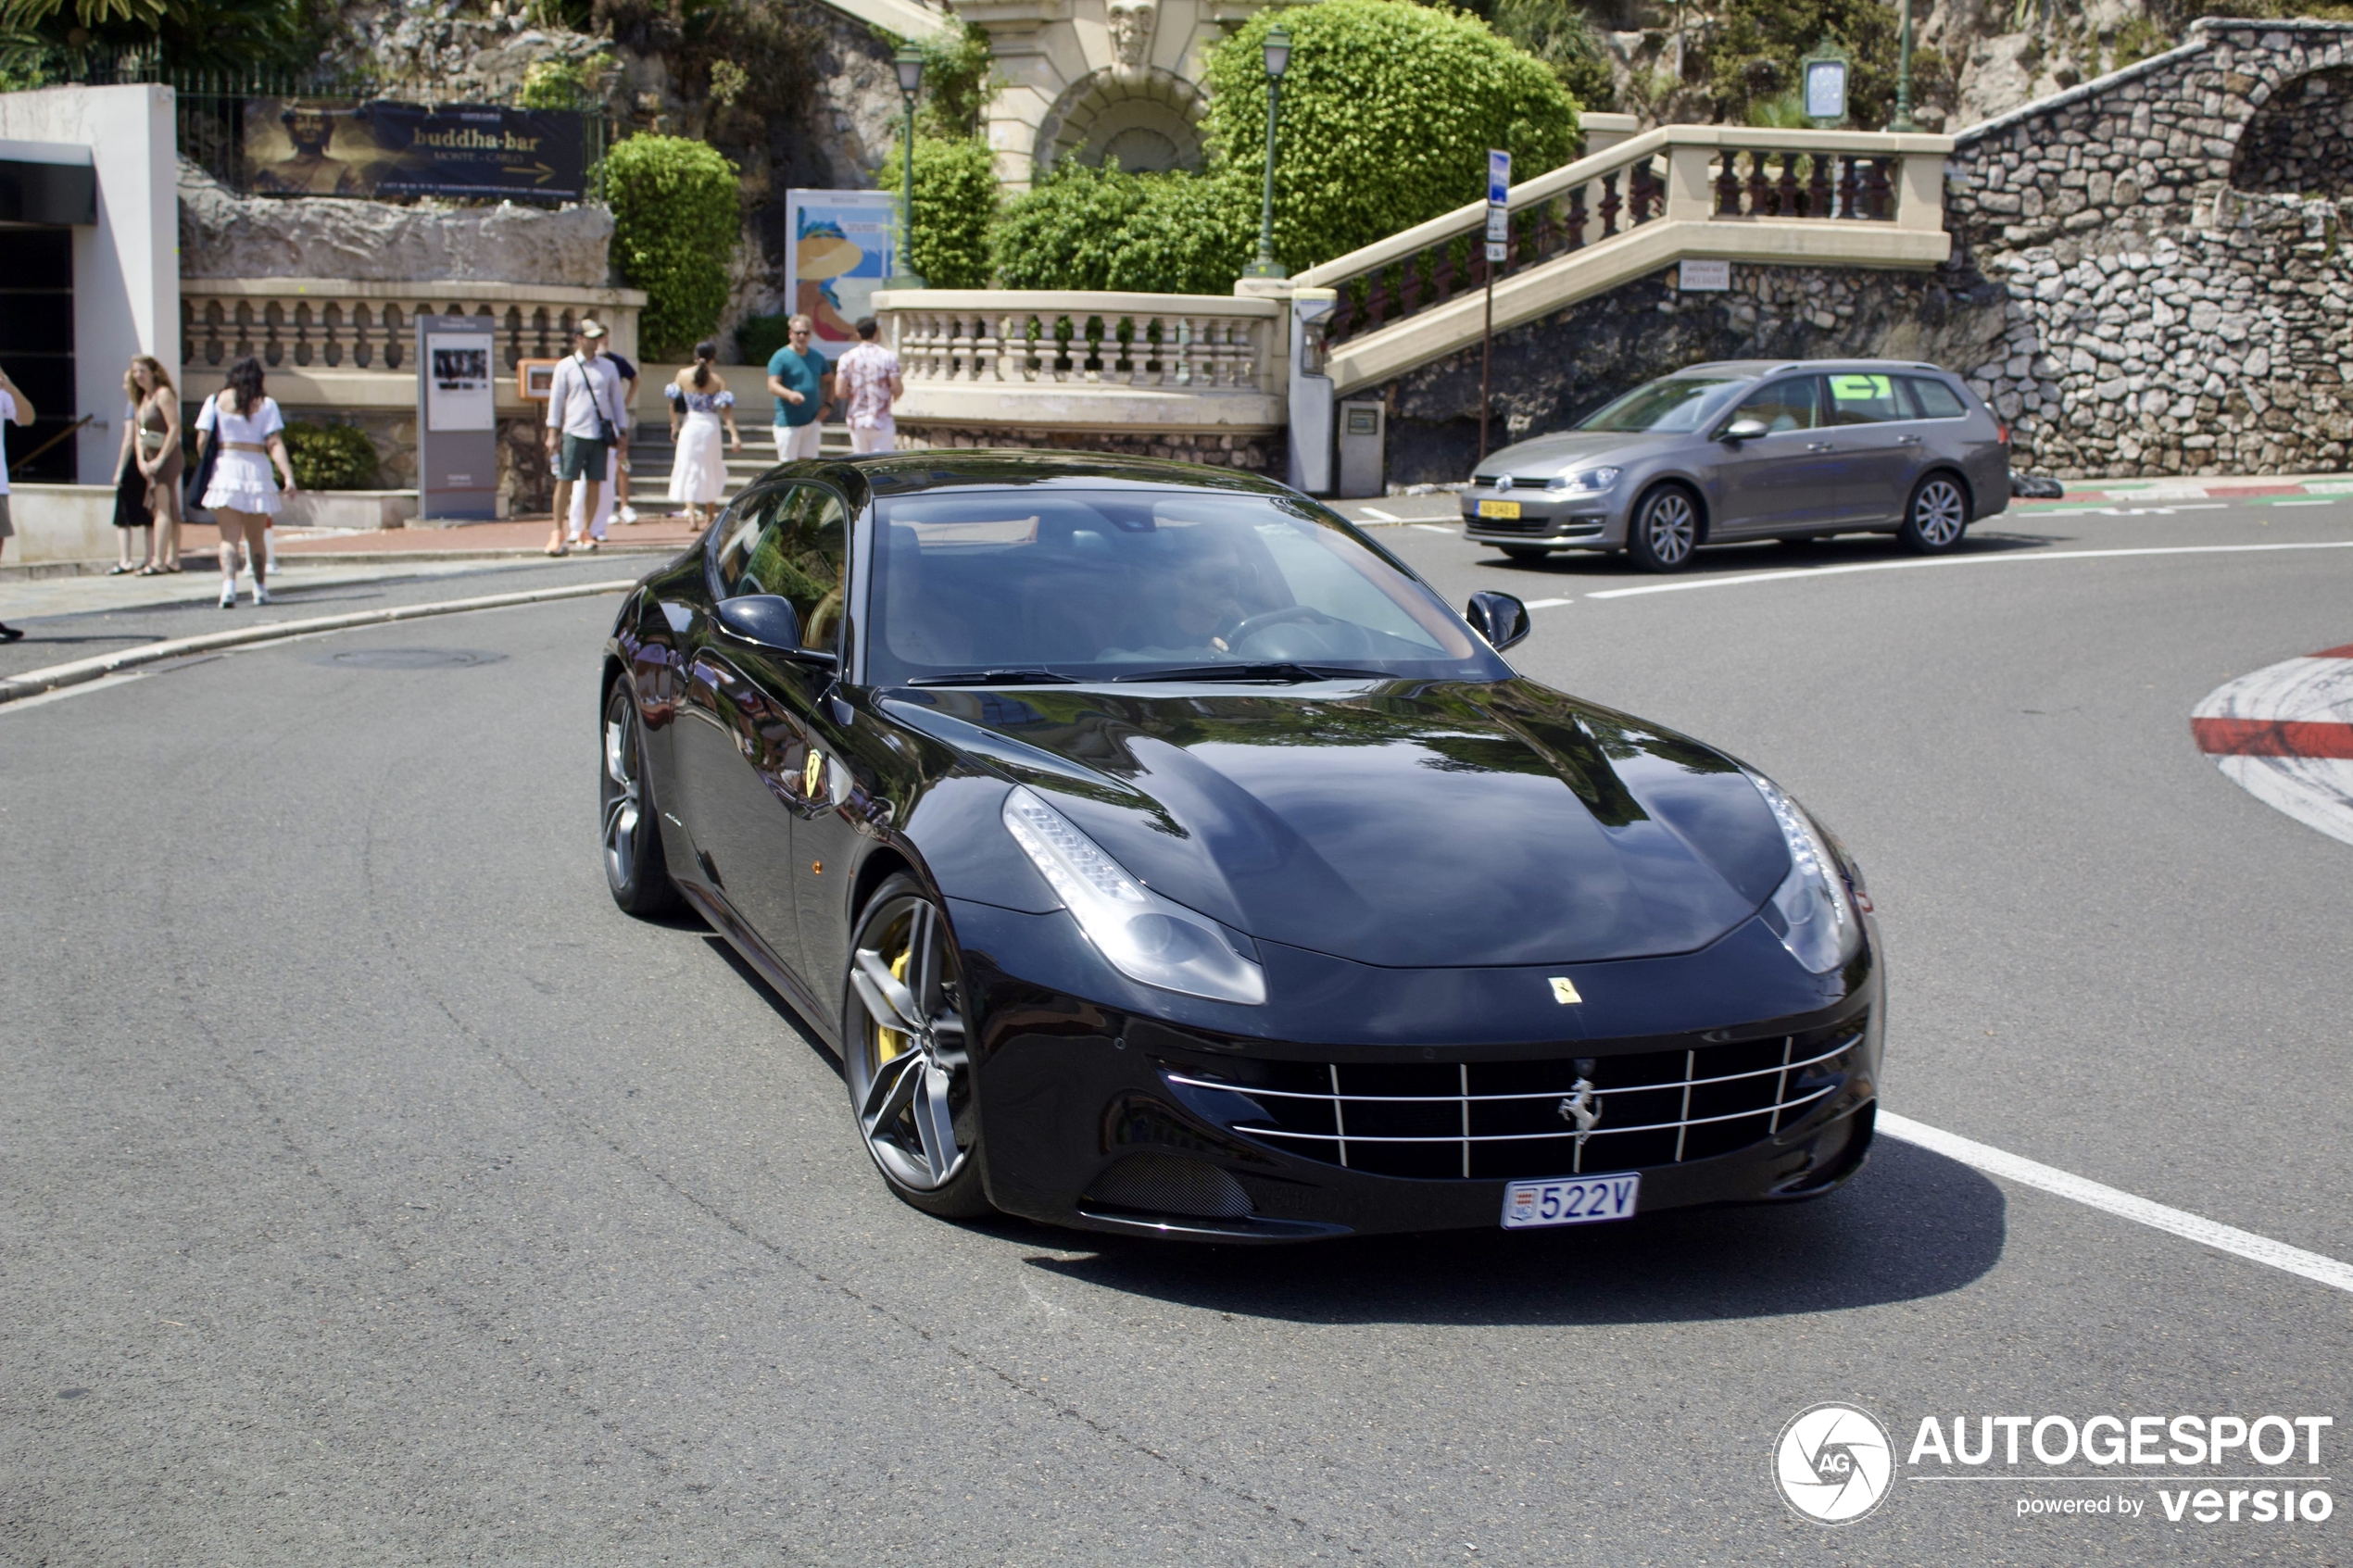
x: 909, y: 62
x: 1278, y: 57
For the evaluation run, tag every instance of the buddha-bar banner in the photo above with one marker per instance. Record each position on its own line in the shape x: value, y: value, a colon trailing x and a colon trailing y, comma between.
x: 315, y: 147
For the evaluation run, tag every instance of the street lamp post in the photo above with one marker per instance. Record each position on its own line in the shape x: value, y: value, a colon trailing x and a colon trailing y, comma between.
x: 909, y: 61
x: 1903, y: 120
x: 1277, y: 62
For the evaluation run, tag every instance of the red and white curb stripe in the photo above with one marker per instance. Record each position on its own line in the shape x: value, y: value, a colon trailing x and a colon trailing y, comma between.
x: 2285, y: 734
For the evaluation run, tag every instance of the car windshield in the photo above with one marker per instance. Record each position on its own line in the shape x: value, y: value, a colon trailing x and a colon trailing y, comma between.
x: 1022, y: 584
x: 1671, y: 404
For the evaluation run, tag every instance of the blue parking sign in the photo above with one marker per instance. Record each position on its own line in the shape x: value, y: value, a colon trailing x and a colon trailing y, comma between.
x: 1499, y: 177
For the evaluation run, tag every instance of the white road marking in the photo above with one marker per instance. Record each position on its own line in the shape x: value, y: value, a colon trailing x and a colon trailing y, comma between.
x: 2135, y: 511
x: 2303, y: 772
x: 2049, y: 1178
x: 1548, y: 603
x: 1379, y: 516
x: 64, y: 691
x: 1434, y: 527
x: 2324, y: 501
x: 2008, y: 558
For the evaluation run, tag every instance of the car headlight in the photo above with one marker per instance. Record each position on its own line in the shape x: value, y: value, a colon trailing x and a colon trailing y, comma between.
x: 1587, y: 480
x: 1810, y: 910
x: 1146, y: 937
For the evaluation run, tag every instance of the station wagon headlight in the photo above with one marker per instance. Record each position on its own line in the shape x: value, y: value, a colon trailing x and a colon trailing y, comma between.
x: 1587, y: 480
x: 1810, y: 910
x: 1146, y: 937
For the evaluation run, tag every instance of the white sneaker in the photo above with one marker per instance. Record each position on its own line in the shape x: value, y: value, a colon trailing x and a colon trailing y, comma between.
x: 628, y: 515
x: 262, y: 593
x: 229, y: 595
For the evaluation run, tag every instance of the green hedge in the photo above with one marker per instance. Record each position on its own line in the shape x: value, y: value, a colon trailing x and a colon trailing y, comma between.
x: 1388, y: 111
x: 330, y: 457
x: 758, y: 338
x: 676, y: 221
x: 955, y: 204
x: 1083, y: 227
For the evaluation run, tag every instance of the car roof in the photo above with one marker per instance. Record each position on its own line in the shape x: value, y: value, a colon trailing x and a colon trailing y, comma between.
x: 904, y: 473
x: 1768, y: 367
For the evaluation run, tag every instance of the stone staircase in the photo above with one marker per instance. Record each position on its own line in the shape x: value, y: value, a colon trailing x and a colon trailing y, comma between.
x: 651, y: 453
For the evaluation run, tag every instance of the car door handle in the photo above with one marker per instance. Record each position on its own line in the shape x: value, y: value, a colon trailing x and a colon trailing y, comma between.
x: 1908, y: 440
x: 1818, y: 446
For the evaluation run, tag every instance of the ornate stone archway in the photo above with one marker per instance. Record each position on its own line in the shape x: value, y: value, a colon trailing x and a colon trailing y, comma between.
x: 1145, y: 121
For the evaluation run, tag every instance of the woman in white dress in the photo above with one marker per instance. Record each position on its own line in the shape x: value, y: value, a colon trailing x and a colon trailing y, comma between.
x: 244, y: 496
x: 698, y: 401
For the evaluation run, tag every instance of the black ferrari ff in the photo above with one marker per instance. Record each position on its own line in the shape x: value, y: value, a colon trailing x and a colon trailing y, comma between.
x: 1162, y: 856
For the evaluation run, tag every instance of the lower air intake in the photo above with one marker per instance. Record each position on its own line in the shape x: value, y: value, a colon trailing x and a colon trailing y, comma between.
x: 1168, y: 1184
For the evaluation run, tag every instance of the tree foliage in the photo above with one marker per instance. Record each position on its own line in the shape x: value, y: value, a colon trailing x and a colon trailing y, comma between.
x: 1086, y: 228
x: 330, y: 457
x: 1755, y: 54
x: 1388, y: 111
x: 955, y: 204
x: 957, y: 82
x: 189, y: 34
x: 1557, y: 33
x: 675, y: 222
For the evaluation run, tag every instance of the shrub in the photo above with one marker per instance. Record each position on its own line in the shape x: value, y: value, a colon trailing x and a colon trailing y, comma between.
x: 1754, y: 57
x: 330, y: 457
x: 956, y: 81
x: 758, y: 338
x: 1557, y: 33
x: 676, y: 224
x: 1388, y: 111
x: 955, y: 202
x: 1084, y: 228
x: 563, y: 84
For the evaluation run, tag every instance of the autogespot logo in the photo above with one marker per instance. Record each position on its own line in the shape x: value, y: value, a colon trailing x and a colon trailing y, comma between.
x: 1834, y: 1463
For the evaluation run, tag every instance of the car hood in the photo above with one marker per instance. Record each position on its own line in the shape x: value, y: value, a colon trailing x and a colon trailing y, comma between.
x: 1549, y: 455
x: 1403, y: 823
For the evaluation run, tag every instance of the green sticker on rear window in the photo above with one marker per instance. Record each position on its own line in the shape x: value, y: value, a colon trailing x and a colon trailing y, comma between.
x: 1861, y: 389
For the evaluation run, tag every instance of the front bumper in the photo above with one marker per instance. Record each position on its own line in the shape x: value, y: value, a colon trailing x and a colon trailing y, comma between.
x: 1556, y: 519
x: 1106, y: 1118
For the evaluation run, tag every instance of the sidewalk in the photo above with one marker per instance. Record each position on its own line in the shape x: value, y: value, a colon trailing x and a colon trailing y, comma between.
x: 2214, y: 487
x: 200, y: 544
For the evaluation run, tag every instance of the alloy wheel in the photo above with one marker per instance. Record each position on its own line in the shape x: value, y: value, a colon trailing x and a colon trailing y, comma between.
x: 1938, y: 513
x: 906, y: 1062
x: 619, y: 792
x: 1670, y: 528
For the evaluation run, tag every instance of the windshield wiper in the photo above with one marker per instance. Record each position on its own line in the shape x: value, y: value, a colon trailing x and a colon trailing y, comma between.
x: 997, y: 678
x: 1277, y: 672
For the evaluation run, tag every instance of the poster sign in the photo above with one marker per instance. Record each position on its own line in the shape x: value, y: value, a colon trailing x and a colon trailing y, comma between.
x: 1704, y: 277
x: 1826, y: 89
x: 839, y: 255
x: 459, y: 395
x: 314, y: 147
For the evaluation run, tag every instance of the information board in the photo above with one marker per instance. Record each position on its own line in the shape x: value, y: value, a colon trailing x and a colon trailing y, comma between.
x: 456, y: 418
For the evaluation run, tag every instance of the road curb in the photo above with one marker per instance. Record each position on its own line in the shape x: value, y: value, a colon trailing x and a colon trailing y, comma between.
x: 33, y: 682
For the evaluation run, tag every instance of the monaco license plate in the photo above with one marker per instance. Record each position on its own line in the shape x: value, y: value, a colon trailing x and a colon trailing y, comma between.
x: 1571, y: 1201
x: 1499, y: 508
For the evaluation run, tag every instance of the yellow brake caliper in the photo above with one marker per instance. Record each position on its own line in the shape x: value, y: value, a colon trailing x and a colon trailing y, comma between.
x: 890, y: 1043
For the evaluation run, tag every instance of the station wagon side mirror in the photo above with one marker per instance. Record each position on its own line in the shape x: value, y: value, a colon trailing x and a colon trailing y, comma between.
x: 1499, y: 617
x: 1745, y: 430
x: 769, y: 620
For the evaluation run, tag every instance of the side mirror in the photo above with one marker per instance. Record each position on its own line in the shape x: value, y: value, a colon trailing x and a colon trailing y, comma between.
x: 1499, y: 618
x: 768, y: 621
x: 1745, y: 430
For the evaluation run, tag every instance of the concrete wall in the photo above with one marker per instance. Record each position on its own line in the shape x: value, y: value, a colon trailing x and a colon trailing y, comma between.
x: 61, y: 522
x: 126, y: 278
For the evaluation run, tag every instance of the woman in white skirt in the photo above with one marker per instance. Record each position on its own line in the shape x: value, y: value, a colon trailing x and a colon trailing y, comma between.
x: 244, y: 496
x: 698, y: 401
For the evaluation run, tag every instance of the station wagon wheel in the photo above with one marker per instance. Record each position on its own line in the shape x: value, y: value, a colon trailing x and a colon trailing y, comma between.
x: 903, y: 1056
x: 630, y: 827
x: 1934, y: 520
x: 1666, y: 530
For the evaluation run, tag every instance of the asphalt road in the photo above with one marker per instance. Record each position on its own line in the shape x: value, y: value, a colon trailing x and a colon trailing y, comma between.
x: 371, y: 1191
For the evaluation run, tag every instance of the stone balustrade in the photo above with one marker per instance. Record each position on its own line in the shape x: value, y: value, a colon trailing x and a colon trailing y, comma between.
x: 1732, y: 175
x: 331, y: 325
x: 1195, y: 376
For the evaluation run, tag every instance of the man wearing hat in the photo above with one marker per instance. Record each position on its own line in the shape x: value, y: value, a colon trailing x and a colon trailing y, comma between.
x: 584, y: 422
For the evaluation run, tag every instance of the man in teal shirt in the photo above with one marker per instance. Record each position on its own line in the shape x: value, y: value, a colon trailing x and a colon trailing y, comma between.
x: 802, y: 379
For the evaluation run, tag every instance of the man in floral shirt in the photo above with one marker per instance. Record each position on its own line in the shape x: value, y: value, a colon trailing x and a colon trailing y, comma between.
x: 865, y: 384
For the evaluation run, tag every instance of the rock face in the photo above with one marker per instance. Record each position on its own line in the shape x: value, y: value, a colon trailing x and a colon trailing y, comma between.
x: 2148, y: 278
x: 226, y: 235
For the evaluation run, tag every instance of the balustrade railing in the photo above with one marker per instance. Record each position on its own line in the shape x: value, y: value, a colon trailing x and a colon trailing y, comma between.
x: 1702, y: 173
x: 328, y: 325
x: 1199, y: 343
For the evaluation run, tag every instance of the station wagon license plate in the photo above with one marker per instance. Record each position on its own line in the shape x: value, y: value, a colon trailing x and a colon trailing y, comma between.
x: 1571, y: 1201
x: 1499, y: 508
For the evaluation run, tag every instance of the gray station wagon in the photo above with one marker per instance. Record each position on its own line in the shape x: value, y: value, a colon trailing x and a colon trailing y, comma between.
x: 1751, y: 450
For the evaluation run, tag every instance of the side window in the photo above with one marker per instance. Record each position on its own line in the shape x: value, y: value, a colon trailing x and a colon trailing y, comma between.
x: 1933, y: 399
x: 1785, y: 404
x: 739, y: 537
x: 1863, y: 400
x: 802, y: 554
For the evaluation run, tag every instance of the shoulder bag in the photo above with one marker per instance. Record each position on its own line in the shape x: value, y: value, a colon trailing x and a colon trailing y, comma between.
x: 201, y: 476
